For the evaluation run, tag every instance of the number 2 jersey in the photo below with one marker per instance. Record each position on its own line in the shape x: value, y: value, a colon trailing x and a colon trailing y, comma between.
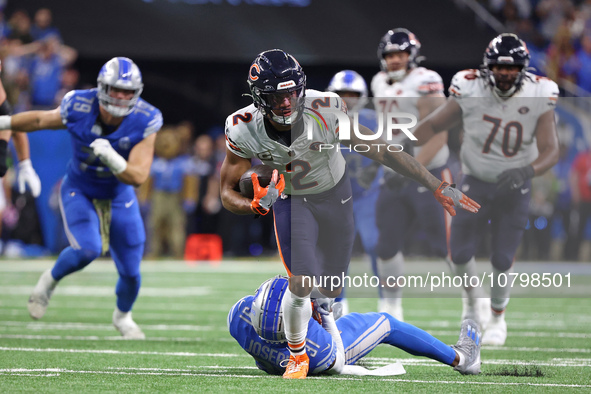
x: 499, y: 134
x: 403, y: 96
x: 80, y: 114
x: 308, y: 165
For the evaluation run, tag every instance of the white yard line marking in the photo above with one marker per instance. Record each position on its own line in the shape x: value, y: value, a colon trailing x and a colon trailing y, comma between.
x: 223, y: 374
x: 92, y: 326
x: 380, y: 361
x: 109, y: 351
x: 109, y: 291
x: 527, y: 334
x: 108, y: 338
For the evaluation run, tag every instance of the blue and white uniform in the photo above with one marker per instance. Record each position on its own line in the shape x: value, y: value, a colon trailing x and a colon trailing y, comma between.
x: 360, y: 333
x: 100, y: 212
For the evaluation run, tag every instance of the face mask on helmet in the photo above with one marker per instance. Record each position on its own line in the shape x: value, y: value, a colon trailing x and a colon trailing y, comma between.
x: 505, y: 64
x: 399, y: 40
x: 348, y: 81
x: 119, y: 86
x: 266, y: 314
x: 283, y: 106
x: 277, y: 85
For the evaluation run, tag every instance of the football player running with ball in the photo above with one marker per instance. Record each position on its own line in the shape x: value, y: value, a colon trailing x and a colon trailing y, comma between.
x: 113, y: 132
x: 509, y: 137
x: 285, y: 127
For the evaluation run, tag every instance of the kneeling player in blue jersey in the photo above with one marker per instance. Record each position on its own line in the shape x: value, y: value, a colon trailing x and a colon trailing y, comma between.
x: 256, y: 322
x: 113, y: 132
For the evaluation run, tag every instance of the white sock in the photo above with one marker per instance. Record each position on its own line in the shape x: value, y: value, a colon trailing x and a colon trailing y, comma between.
x: 46, y: 281
x: 469, y: 270
x: 297, y: 312
x: 392, y: 267
x: 499, y: 296
x: 462, y: 359
x: 120, y: 315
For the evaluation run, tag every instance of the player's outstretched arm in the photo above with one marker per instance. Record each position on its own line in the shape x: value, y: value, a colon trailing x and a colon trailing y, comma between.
x: 33, y: 121
x: 447, y: 195
x: 443, y: 118
x: 232, y: 169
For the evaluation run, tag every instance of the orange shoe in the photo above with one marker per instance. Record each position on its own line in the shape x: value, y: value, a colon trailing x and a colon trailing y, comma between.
x: 297, y: 367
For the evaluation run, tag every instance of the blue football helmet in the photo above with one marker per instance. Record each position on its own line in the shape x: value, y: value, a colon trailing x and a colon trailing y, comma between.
x: 399, y: 40
x: 349, y: 81
x: 273, y: 75
x: 121, y: 73
x: 505, y: 49
x: 266, y: 314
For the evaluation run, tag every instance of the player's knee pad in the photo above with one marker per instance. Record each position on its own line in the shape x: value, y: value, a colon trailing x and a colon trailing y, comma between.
x: 461, y: 256
x: 501, y: 261
x: 88, y: 254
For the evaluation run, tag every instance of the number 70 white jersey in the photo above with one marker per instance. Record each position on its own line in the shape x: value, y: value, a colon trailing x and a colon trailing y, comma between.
x: 499, y: 134
x: 307, y: 168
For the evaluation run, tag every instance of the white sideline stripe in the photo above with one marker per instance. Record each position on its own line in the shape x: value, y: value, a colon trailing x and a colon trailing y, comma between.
x: 222, y: 374
x: 109, y: 351
x: 109, y: 291
x: 526, y: 334
x: 378, y: 361
x: 527, y: 324
x: 153, y: 306
x: 537, y: 349
x: 138, y: 315
x: 108, y: 338
x: 90, y: 326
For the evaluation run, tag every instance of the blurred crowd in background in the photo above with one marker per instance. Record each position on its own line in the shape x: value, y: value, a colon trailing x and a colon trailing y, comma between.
x: 181, y: 198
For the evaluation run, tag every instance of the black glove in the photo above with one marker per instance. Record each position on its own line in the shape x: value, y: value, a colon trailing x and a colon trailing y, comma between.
x: 514, y: 178
x: 3, y: 157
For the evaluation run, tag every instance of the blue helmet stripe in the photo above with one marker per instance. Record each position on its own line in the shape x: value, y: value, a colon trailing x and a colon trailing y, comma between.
x: 124, y: 70
x: 348, y: 78
x: 272, y: 308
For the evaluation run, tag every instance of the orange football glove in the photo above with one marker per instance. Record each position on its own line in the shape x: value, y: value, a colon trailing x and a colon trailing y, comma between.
x: 450, y: 197
x: 265, y: 197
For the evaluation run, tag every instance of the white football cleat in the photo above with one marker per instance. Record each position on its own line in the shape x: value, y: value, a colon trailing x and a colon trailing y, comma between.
x: 39, y: 299
x: 126, y: 326
x: 468, y: 348
x: 477, y: 309
x: 496, y: 332
x: 392, y: 306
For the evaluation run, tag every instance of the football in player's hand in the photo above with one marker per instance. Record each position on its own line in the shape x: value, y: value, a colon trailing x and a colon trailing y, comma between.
x: 264, y: 173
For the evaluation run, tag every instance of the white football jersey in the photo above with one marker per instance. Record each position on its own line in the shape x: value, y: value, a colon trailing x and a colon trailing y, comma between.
x: 499, y: 134
x: 402, y: 96
x: 307, y: 168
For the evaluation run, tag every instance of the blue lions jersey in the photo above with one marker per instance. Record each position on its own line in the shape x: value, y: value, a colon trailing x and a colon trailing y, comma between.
x: 356, y: 162
x: 268, y: 356
x: 80, y: 115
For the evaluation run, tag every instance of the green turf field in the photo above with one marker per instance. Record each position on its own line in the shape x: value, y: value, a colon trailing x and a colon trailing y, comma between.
x: 182, y: 309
